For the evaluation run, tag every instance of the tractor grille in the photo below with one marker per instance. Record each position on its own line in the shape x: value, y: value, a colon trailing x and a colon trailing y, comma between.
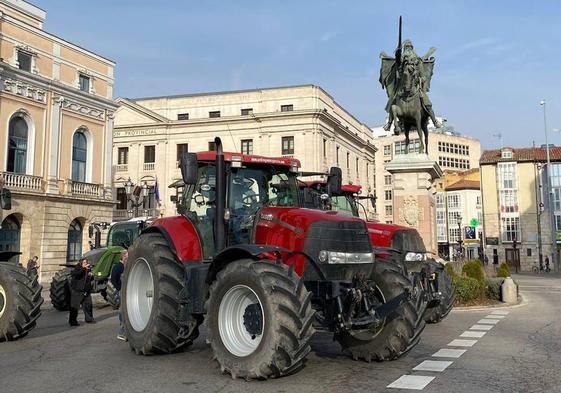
x: 340, y: 236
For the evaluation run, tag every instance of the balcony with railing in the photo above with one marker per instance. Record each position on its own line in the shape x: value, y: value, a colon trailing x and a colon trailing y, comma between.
x: 123, y: 214
x: 84, y: 190
x: 20, y: 182
x: 149, y: 166
x: 121, y: 167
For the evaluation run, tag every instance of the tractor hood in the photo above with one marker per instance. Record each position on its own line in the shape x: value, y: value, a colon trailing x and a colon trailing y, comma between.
x: 339, y: 244
x: 93, y: 256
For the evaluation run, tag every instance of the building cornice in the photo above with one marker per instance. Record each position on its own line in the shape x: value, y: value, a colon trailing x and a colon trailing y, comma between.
x: 15, y: 76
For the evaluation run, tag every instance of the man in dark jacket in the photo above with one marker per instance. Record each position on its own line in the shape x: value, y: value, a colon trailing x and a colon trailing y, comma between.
x: 116, y: 274
x: 80, y: 293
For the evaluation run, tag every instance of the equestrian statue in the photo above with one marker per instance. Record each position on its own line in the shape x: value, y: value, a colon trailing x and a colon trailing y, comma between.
x: 406, y: 79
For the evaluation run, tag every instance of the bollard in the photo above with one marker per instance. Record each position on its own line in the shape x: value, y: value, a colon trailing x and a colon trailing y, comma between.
x: 508, y: 291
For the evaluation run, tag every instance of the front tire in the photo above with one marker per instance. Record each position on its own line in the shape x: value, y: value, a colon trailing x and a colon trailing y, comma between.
x: 60, y: 290
x: 20, y: 302
x: 259, y: 319
x: 448, y: 296
x: 400, y: 332
x: 152, y: 282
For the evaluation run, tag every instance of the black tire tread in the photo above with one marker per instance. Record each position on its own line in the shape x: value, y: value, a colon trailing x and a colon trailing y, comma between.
x: 398, y: 335
x: 113, y: 297
x: 27, y: 303
x: 60, y: 291
x: 442, y: 309
x: 165, y: 337
x: 291, y: 307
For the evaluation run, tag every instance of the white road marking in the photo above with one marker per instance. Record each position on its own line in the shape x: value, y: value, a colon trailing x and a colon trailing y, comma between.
x: 488, y: 321
x: 491, y: 316
x: 500, y: 312
x: 481, y: 327
x: 475, y: 334
x: 449, y: 353
x: 433, y: 365
x: 462, y: 343
x: 414, y: 382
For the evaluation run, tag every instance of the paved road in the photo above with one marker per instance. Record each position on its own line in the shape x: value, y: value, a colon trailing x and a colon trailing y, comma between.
x: 519, y: 351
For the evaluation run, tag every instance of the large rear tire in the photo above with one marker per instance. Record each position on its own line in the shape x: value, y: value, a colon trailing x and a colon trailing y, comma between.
x: 448, y: 296
x: 152, y: 282
x: 60, y: 290
x: 20, y: 302
x: 400, y: 332
x: 259, y: 319
x: 112, y: 296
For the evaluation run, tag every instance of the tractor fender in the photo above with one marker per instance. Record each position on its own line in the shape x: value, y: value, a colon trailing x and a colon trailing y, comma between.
x: 181, y: 236
x: 240, y: 251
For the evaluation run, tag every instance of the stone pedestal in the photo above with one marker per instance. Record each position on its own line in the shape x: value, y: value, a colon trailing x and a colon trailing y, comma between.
x: 413, y: 194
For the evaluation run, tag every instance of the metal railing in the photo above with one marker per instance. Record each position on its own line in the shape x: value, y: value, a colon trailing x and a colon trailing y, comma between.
x: 149, y: 166
x: 22, y: 182
x: 85, y: 189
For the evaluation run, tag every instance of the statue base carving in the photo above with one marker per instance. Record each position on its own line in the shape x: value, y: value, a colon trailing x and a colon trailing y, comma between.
x: 413, y: 194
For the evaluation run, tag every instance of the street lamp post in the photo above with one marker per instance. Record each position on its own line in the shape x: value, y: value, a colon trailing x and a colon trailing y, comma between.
x: 460, y: 250
x: 135, y: 196
x: 550, y: 194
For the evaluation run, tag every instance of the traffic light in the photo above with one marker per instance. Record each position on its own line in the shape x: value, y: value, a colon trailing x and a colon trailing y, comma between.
x: 5, y: 199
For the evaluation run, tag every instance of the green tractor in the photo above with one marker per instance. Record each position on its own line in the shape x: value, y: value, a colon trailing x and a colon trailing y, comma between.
x: 120, y: 237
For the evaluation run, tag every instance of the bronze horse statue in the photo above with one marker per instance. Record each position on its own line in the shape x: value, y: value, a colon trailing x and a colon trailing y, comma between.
x: 409, y: 111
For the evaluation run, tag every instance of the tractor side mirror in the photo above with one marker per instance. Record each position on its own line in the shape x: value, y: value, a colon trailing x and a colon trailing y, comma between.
x: 334, y: 181
x: 90, y: 231
x: 373, y: 201
x: 188, y: 165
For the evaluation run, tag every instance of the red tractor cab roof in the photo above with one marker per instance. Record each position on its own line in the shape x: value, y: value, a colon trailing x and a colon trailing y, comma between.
x: 346, y: 188
x: 250, y: 159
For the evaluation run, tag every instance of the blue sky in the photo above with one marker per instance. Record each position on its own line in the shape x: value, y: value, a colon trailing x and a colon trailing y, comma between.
x: 495, y: 60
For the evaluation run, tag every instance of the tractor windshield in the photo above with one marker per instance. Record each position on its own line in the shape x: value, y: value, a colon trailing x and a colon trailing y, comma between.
x: 123, y: 234
x: 252, y: 188
x: 344, y: 204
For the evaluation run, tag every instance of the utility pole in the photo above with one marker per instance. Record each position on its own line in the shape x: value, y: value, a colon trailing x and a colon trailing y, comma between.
x: 553, y: 228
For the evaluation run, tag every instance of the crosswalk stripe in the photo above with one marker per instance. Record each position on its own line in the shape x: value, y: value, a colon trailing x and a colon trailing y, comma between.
x: 449, y: 353
x: 500, y: 312
x: 481, y: 327
x: 462, y: 343
x: 413, y: 382
x: 486, y: 321
x: 472, y: 334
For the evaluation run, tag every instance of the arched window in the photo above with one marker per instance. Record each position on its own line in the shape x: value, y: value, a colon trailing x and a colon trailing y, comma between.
x: 10, y: 234
x: 74, y: 249
x: 79, y: 156
x: 17, y: 145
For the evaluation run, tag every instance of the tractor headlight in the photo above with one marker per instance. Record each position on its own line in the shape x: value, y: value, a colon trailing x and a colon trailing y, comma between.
x: 415, y: 256
x: 345, y: 257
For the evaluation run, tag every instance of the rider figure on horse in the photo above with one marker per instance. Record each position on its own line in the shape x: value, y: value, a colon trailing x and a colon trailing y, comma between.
x: 393, y: 76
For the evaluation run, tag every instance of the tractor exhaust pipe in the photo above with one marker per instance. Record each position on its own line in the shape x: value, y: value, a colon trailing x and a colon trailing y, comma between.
x: 219, y: 219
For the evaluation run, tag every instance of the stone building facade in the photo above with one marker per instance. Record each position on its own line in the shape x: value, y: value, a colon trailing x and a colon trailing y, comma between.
x: 304, y: 122
x: 452, y: 151
x: 517, y: 214
x: 56, y: 121
x: 458, y: 199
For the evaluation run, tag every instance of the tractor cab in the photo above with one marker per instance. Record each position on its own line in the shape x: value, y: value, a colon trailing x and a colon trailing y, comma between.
x: 251, y: 184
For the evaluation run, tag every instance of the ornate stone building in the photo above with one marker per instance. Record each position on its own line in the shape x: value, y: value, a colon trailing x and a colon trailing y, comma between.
x: 56, y: 121
x: 300, y: 121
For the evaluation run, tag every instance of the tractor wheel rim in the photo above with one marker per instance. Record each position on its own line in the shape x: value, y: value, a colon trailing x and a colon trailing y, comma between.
x: 233, y: 332
x: 140, y: 294
x: 2, y: 300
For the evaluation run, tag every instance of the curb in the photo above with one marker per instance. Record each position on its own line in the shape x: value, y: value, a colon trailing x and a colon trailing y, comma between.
x: 522, y: 301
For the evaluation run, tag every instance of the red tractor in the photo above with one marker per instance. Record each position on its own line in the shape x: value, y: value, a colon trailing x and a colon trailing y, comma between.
x: 399, y: 244
x: 262, y: 271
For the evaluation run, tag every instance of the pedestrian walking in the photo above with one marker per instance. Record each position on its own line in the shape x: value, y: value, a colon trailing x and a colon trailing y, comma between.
x: 80, y: 293
x: 32, y: 266
x: 116, y: 274
x: 547, y: 264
